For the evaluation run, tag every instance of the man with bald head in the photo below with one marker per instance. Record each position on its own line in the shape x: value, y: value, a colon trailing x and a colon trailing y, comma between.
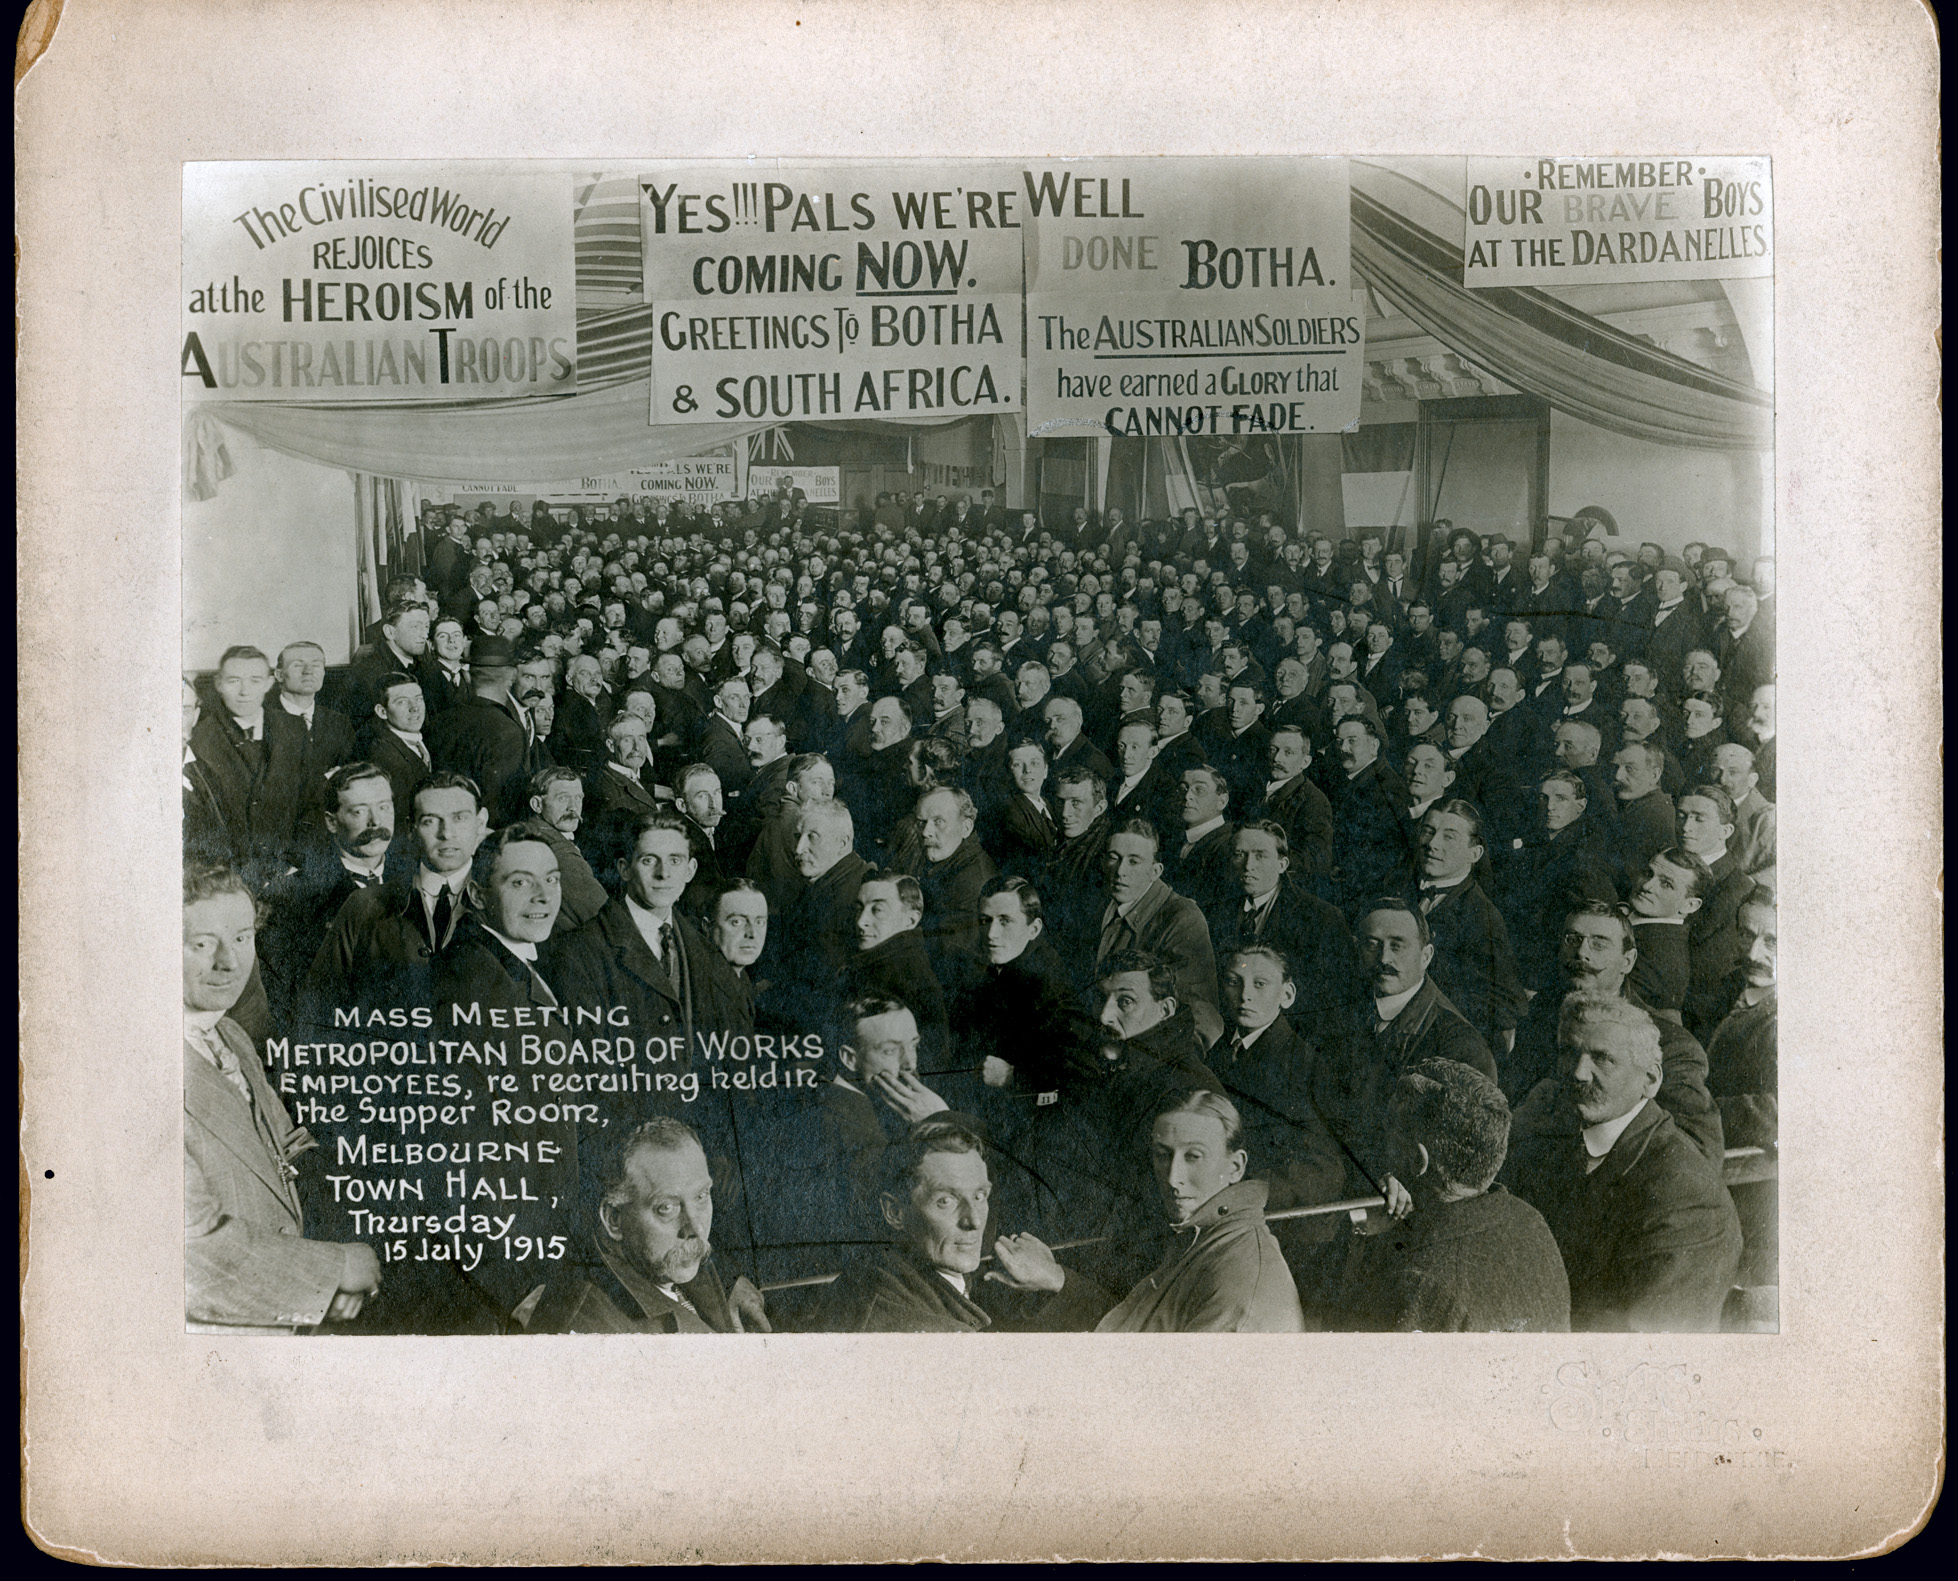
x: 817, y: 933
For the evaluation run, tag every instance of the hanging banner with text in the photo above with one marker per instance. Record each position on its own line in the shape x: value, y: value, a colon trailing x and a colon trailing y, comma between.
x: 703, y: 478
x: 819, y: 485
x: 1597, y: 221
x: 799, y: 291
x: 1191, y: 296
x: 358, y: 282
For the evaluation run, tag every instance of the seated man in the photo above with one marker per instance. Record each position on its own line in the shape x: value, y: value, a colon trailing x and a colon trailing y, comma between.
x: 247, y: 1267
x: 1649, y: 1235
x: 1404, y: 1020
x: 1310, y: 933
x: 1224, y: 1273
x: 654, y: 1213
x: 1468, y: 1257
x: 933, y: 1202
x: 891, y: 960
x: 1267, y: 1072
x: 1665, y: 897
x: 1742, y: 1072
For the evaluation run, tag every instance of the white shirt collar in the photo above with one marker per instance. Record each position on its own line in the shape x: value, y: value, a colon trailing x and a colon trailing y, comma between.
x: 1191, y: 836
x: 413, y: 737
x: 428, y: 881
x: 364, y: 869
x: 1246, y: 1039
x: 521, y: 948
x: 202, y: 1023
x: 956, y: 1281
x: 1599, y: 1139
x: 1420, y: 809
x: 304, y: 712
x: 253, y: 728
x: 647, y: 923
x: 1130, y: 784
x: 1386, y: 1009
x: 1659, y: 922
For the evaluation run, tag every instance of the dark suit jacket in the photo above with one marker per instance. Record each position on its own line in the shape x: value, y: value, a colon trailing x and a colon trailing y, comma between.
x: 1289, y: 1145
x: 1650, y: 1238
x: 814, y: 940
x: 1022, y: 840
x: 1472, y: 964
x: 404, y: 769
x: 1358, y: 1069
x: 1665, y: 964
x: 259, y: 787
x: 328, y: 744
x: 1205, y: 875
x: 1645, y: 828
x: 483, y: 739
x: 608, y: 962
x: 1315, y: 940
x: 1084, y: 753
x: 721, y: 750
x: 577, y: 734
x: 951, y: 922
x: 750, y: 811
x: 901, y: 969
x: 1307, y: 817
x: 379, y: 953
x: 1158, y: 797
x: 1368, y: 848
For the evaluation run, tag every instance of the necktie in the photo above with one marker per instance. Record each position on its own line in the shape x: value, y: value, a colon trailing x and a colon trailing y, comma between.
x: 537, y: 983
x: 229, y: 1068
x: 1430, y: 894
x: 444, y: 917
x: 1114, y: 934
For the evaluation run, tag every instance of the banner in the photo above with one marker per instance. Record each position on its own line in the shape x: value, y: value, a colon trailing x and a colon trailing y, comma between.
x: 795, y: 292
x: 707, y: 478
x: 1191, y: 296
x: 358, y: 282
x: 819, y: 485
x: 1596, y: 221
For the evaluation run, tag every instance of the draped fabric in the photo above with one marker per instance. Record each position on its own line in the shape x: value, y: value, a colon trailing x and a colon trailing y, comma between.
x: 207, y: 462
x: 512, y: 441
x: 1579, y: 364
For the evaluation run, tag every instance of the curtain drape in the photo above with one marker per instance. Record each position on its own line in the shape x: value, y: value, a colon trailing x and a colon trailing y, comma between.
x: 1579, y: 364
x: 533, y: 440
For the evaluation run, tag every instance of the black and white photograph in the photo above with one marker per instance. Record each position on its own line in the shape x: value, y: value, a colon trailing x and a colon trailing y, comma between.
x: 820, y: 771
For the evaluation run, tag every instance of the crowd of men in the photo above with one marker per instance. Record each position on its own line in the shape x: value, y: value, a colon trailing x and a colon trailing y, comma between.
x: 954, y: 921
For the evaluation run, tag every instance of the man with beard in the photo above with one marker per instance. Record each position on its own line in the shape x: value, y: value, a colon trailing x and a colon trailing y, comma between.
x: 651, y: 1217
x: 1648, y: 1233
x: 557, y: 808
x: 1598, y: 954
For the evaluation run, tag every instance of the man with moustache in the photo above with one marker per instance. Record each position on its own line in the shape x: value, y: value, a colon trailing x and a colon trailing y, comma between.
x: 772, y: 862
x: 380, y: 950
x: 248, y: 1266
x: 359, y: 822
x: 618, y: 790
x: 557, y: 808
x: 721, y: 745
x: 1200, y: 863
x: 1648, y: 1233
x: 1290, y: 799
x: 955, y: 872
x: 1401, y: 1020
x: 651, y: 1219
x: 1368, y: 803
x: 1640, y: 720
x: 1599, y: 953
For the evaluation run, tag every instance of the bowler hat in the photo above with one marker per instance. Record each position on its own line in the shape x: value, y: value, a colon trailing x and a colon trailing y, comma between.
x: 494, y: 653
